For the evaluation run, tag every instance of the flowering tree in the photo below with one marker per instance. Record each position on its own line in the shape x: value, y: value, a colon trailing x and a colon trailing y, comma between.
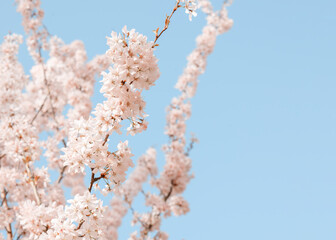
x: 77, y: 146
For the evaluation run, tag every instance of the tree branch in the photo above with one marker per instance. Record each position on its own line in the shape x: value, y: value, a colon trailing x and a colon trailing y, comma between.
x: 33, y: 183
x: 167, y: 21
x: 39, y: 110
x: 5, y: 204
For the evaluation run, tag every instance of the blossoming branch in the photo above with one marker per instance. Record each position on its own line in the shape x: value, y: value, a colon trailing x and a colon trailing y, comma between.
x: 78, y: 144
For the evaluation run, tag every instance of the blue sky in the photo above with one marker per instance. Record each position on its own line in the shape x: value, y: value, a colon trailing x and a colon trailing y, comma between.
x: 265, y: 111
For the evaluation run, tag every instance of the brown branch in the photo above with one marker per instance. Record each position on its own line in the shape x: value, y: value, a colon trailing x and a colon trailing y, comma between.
x: 143, y: 193
x: 52, y: 110
x: 64, y: 143
x: 169, y: 193
x: 33, y: 183
x: 106, y: 138
x: 18, y: 237
x: 165, y: 198
x: 190, y: 147
x: 134, y: 214
x: 80, y: 224
x: 61, y: 176
x: 167, y: 21
x: 92, y: 181
x: 5, y: 204
x: 4, y: 198
x: 95, y: 179
x: 1, y: 157
x: 102, y: 175
x: 39, y: 110
x: 49, y: 94
x: 26, y: 160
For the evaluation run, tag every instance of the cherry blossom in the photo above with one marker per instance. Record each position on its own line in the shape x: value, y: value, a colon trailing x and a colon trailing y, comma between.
x: 49, y: 127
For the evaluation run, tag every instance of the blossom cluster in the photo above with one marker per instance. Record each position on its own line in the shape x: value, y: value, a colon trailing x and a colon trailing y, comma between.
x: 126, y: 193
x: 45, y: 128
x: 190, y: 7
x: 82, y: 219
x: 134, y: 68
x: 175, y: 176
x: 33, y: 25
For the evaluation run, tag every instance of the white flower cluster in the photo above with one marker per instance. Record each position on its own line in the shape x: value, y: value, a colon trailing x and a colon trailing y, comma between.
x: 88, y: 149
x: 134, y: 69
x: 113, y: 217
x: 190, y: 7
x: 125, y: 194
x: 82, y: 219
x: 45, y: 100
x: 36, y: 219
x: 133, y: 62
x: 32, y: 106
x: 32, y: 22
x: 11, y: 73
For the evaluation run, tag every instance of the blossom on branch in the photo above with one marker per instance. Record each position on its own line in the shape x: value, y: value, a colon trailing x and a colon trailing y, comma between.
x: 47, y: 123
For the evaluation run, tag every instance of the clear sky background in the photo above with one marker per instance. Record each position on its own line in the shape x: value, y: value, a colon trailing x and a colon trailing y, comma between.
x: 265, y: 111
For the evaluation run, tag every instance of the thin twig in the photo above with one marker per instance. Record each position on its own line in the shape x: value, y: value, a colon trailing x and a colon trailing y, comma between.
x: 18, y: 237
x: 26, y: 161
x: 169, y: 193
x: 190, y: 147
x: 52, y: 110
x: 91, y: 181
x: 167, y: 21
x: 134, y: 214
x: 80, y: 224
x: 61, y: 176
x: 39, y: 110
x: 95, y: 179
x: 9, y: 225
x: 33, y: 183
x: 106, y: 138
